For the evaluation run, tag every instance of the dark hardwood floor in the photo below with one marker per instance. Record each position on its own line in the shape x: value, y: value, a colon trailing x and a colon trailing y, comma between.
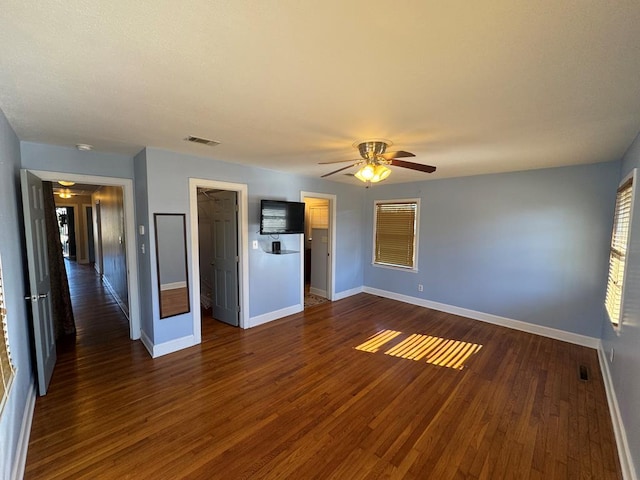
x: 319, y: 395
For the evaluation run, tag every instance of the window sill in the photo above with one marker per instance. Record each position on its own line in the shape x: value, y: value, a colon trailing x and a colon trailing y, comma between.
x: 393, y: 267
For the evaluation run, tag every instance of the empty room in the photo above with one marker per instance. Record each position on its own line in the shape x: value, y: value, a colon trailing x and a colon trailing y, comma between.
x: 343, y: 240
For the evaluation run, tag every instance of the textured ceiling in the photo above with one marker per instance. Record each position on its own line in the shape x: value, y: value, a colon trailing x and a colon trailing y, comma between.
x: 471, y: 87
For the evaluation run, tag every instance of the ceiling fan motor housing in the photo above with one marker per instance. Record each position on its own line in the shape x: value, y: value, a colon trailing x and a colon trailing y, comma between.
x: 371, y: 150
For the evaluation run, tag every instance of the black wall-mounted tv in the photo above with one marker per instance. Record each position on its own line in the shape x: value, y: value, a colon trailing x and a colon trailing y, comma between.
x: 280, y: 217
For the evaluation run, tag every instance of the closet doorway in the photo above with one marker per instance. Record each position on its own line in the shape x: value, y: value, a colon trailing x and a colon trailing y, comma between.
x: 318, y: 246
x: 219, y: 259
x: 228, y: 204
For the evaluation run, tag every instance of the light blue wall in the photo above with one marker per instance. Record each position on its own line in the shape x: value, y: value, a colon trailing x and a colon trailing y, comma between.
x: 274, y: 281
x: 626, y: 365
x: 40, y: 156
x: 12, y: 253
x: 529, y: 246
x: 144, y: 255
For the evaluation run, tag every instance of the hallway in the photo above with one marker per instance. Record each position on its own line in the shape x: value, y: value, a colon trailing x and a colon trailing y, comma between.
x: 99, y: 320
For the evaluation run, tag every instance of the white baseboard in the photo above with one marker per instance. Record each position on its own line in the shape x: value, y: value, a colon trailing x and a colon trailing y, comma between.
x: 554, y: 333
x: 275, y: 315
x: 166, y: 347
x: 146, y: 341
x: 20, y: 460
x: 348, y: 293
x: 118, y: 300
x: 173, y: 286
x: 317, y: 291
x: 624, y: 453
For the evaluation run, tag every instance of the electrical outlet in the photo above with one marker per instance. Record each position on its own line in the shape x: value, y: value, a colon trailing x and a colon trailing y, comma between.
x: 611, y: 355
x: 254, y: 245
x: 420, y: 287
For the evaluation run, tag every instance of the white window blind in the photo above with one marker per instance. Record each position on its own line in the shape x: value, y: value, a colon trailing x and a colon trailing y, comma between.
x: 618, y: 252
x: 395, y: 233
x: 7, y: 370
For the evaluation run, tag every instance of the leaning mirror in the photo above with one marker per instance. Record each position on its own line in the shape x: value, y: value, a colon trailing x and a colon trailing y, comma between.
x: 171, y: 258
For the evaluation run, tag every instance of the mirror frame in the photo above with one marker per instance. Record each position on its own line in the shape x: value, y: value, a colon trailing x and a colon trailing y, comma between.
x: 187, y: 309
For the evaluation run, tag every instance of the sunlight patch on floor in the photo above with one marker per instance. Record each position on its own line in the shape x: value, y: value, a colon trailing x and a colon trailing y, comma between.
x: 375, y: 342
x: 433, y: 350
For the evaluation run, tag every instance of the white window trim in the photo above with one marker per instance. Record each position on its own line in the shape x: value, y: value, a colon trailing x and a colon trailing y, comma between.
x: 631, y: 175
x: 414, y: 269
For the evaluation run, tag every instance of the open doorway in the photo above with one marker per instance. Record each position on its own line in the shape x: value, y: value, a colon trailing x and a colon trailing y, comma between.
x: 116, y: 242
x: 319, y: 244
x: 66, y: 231
x: 77, y: 224
x: 219, y: 252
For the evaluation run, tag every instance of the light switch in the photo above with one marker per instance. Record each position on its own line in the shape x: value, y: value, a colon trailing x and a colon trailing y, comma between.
x: 254, y: 245
x: 141, y: 229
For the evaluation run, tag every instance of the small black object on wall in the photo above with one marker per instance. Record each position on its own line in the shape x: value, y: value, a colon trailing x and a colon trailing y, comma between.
x: 275, y: 247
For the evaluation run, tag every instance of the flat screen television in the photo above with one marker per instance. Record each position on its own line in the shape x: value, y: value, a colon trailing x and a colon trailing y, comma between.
x: 279, y: 217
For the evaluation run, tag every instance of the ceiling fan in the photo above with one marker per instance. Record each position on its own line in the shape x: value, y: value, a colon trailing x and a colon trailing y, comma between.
x: 375, y: 158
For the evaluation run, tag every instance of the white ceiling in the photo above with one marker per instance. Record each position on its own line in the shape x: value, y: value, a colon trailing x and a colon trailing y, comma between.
x: 471, y: 87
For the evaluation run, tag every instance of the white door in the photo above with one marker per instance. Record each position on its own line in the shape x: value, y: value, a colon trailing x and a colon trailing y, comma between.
x: 38, y: 265
x: 224, y: 225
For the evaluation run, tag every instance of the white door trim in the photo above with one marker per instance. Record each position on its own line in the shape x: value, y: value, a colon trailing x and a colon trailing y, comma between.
x: 331, y: 266
x: 84, y: 207
x: 243, y: 249
x: 130, y: 234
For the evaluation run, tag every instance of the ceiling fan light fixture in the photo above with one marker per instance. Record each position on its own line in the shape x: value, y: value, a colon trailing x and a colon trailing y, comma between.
x: 359, y: 176
x: 376, y: 159
x: 66, y: 183
x: 372, y: 173
x: 380, y: 173
x: 366, y: 173
x: 66, y: 194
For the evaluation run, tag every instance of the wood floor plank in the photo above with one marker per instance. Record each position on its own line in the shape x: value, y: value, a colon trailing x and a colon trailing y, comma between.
x: 296, y: 399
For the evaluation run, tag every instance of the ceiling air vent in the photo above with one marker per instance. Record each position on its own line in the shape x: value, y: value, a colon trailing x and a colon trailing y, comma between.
x: 203, y: 141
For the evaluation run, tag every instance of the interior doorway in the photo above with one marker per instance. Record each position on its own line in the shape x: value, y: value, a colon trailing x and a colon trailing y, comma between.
x: 66, y: 231
x: 318, y: 245
x: 219, y: 252
x: 123, y: 238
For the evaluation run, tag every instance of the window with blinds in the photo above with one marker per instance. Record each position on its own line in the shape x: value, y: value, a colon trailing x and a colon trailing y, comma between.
x: 618, y: 251
x: 6, y: 367
x: 395, y: 232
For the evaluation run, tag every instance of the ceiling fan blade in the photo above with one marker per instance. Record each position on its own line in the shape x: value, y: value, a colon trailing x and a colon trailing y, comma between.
x: 413, y: 166
x: 398, y: 154
x: 340, y: 161
x: 339, y: 170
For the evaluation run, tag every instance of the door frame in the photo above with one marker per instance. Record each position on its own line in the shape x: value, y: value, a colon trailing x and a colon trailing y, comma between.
x: 243, y: 249
x: 331, y: 264
x: 130, y: 234
x: 84, y: 207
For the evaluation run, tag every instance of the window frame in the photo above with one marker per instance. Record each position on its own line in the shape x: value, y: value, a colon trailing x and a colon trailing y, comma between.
x: 630, y: 177
x: 416, y: 230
